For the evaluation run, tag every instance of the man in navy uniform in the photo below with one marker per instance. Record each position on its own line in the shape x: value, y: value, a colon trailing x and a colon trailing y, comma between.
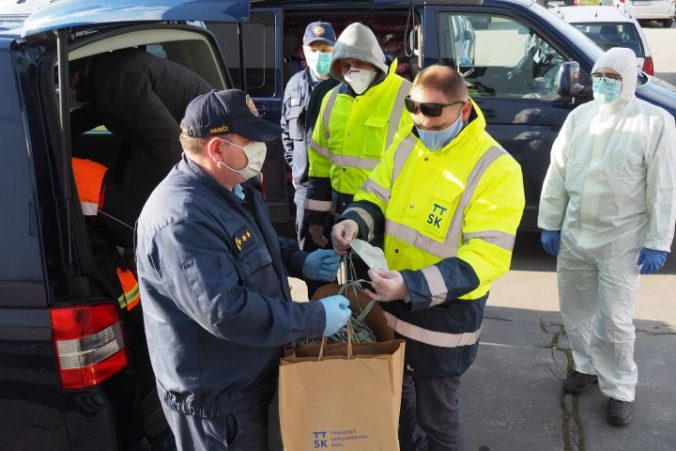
x: 211, y: 269
x: 296, y: 123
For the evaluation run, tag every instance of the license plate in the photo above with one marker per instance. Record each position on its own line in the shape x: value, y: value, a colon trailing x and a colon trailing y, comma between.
x: 641, y: 2
x: 555, y: 3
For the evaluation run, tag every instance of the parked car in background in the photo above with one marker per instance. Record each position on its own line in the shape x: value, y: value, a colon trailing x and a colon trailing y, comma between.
x: 550, y: 3
x: 608, y: 27
x: 646, y: 10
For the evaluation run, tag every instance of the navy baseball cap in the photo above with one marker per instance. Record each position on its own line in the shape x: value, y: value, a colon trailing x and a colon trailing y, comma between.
x: 319, y: 31
x: 227, y: 111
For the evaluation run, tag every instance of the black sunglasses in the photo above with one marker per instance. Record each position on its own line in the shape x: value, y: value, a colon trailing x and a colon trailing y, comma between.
x: 426, y: 108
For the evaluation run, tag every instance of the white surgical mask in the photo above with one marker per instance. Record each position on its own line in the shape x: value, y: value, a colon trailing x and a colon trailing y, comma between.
x: 255, y: 152
x: 360, y: 79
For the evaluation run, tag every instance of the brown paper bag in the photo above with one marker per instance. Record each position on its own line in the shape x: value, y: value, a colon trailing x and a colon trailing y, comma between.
x: 342, y: 395
x: 375, y: 319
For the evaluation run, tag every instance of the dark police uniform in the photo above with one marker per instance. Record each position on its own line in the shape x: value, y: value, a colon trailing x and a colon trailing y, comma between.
x: 217, y: 307
x: 299, y: 113
x: 298, y: 120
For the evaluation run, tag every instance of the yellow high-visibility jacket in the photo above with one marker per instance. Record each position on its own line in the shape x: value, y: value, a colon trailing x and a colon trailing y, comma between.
x: 350, y: 136
x: 449, y: 219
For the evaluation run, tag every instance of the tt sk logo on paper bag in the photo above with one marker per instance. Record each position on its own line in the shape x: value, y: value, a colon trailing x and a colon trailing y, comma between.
x: 320, y: 440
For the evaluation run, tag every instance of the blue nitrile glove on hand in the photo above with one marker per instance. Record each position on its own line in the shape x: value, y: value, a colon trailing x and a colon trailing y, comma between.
x: 337, y: 312
x: 321, y: 264
x: 651, y: 260
x: 551, y: 239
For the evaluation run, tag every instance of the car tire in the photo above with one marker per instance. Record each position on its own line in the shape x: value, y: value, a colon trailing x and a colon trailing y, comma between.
x: 666, y: 23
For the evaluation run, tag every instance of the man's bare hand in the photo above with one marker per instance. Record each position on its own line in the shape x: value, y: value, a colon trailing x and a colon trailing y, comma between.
x: 388, y: 286
x: 342, y: 234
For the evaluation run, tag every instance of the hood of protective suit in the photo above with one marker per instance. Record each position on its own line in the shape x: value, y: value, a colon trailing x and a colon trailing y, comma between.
x: 358, y: 41
x: 623, y: 61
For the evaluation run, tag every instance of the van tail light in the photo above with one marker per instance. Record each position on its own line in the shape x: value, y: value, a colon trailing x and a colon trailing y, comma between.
x: 89, y: 344
x: 576, y: 2
x: 648, y: 67
x: 622, y: 1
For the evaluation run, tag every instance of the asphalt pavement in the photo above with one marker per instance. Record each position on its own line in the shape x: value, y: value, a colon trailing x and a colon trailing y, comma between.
x: 662, y: 43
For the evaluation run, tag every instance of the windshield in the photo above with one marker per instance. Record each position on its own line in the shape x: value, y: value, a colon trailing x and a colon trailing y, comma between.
x: 608, y: 35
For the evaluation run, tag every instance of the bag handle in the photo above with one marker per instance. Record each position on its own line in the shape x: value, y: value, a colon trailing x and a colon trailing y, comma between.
x: 350, y: 339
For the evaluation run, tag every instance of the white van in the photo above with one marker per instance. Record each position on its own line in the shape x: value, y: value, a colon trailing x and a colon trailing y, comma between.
x: 646, y: 10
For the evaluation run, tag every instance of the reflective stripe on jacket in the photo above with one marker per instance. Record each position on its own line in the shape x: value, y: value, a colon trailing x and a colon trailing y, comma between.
x: 351, y: 134
x: 130, y: 296
x: 449, y: 219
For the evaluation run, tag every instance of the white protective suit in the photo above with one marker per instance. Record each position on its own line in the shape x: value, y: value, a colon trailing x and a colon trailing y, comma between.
x: 610, y: 189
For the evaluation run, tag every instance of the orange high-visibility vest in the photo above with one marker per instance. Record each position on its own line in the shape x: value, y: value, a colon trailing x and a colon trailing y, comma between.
x: 89, y: 177
x: 89, y: 182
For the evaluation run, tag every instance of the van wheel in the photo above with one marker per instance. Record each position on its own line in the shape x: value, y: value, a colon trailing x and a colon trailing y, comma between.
x: 666, y: 23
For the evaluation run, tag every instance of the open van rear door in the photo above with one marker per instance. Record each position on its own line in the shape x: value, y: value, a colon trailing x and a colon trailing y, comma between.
x: 75, y: 13
x: 63, y: 17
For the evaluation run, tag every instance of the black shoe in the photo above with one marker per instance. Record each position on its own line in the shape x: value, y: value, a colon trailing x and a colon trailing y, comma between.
x: 619, y: 412
x: 576, y: 382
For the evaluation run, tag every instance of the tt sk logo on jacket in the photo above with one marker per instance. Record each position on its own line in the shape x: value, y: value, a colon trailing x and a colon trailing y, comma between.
x: 437, y: 218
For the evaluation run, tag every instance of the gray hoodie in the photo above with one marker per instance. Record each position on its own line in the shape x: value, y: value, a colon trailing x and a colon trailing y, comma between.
x: 358, y: 41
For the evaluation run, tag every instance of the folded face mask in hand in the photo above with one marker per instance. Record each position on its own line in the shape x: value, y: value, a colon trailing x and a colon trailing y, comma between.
x: 371, y: 255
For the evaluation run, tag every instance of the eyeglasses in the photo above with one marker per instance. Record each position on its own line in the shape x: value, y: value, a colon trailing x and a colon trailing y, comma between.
x: 610, y: 76
x: 427, y: 108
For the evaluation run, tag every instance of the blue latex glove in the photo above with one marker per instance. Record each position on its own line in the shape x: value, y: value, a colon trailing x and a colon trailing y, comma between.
x: 551, y: 239
x: 337, y: 312
x: 321, y: 264
x: 651, y: 260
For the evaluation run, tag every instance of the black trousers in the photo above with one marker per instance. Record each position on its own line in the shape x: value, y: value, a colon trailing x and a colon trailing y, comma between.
x: 430, y: 417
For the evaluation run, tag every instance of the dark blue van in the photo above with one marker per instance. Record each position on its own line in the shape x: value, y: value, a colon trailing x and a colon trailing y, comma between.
x: 510, y: 52
x: 66, y: 378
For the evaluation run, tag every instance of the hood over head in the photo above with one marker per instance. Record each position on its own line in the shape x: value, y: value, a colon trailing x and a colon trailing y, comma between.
x: 623, y: 61
x: 358, y: 41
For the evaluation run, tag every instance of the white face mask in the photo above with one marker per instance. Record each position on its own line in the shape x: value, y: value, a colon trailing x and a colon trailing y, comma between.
x: 255, y: 153
x: 360, y: 79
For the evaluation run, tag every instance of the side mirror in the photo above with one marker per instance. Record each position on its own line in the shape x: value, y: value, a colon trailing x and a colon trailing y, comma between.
x: 415, y: 45
x: 568, y: 81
